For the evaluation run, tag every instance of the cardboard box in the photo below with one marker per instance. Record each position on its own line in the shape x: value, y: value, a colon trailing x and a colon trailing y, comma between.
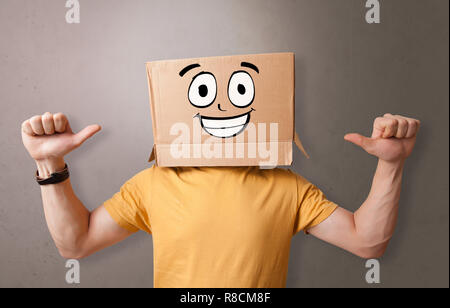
x: 223, y: 111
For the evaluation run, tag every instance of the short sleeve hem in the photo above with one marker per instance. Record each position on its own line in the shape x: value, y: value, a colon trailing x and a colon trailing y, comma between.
x: 326, y: 212
x: 118, y: 219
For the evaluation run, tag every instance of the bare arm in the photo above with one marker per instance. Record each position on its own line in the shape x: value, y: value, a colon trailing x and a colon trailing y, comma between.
x: 76, y: 231
x: 367, y: 232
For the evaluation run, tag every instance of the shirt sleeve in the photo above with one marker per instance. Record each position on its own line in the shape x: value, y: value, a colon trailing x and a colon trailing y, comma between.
x: 127, y: 208
x: 312, y: 206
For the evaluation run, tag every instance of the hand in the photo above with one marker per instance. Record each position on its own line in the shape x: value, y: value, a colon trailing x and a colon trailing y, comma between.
x: 392, y: 140
x: 48, y: 138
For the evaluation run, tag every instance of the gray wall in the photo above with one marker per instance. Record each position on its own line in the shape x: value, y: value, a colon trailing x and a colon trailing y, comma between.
x: 348, y: 72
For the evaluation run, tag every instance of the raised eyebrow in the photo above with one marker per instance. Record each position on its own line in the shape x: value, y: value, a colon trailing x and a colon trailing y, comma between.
x: 250, y: 65
x: 188, y: 68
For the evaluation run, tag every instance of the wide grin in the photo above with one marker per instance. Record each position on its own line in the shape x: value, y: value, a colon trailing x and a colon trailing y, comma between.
x: 225, y: 127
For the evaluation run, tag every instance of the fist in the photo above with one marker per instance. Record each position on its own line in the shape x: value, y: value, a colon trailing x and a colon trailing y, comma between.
x: 49, y: 137
x: 393, y: 138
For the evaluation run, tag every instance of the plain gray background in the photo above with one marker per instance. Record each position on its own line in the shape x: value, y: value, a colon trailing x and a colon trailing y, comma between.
x: 348, y: 73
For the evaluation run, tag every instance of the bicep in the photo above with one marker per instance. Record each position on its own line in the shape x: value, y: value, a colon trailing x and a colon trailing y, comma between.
x: 339, y: 230
x: 103, y: 232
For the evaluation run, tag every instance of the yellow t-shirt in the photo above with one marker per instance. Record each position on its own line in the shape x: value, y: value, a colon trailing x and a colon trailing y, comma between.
x: 219, y: 227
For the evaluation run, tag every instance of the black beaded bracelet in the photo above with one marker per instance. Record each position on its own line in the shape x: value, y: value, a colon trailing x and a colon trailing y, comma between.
x: 55, y: 178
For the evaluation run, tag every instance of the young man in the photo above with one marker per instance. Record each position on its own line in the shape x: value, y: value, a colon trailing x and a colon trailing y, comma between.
x: 218, y: 227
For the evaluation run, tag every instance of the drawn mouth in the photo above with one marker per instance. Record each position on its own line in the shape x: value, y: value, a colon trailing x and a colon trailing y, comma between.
x: 225, y: 127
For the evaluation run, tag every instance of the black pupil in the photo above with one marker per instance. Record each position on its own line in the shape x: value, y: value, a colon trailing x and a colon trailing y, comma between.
x: 241, y: 89
x: 203, y: 90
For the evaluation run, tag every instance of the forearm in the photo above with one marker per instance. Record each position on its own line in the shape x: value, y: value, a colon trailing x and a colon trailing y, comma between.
x: 77, y: 232
x: 367, y: 232
x: 66, y: 216
x: 375, y: 220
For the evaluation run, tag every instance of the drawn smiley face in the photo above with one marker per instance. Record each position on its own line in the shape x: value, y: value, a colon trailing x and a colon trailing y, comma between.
x: 202, y: 94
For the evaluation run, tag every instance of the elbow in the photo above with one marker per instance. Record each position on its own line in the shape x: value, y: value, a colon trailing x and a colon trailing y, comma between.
x: 370, y: 254
x: 76, y: 254
x: 370, y: 245
x: 371, y: 251
x: 72, y: 249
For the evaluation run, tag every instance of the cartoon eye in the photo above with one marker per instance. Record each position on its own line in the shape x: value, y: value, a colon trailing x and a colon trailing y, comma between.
x: 241, y: 89
x: 203, y: 90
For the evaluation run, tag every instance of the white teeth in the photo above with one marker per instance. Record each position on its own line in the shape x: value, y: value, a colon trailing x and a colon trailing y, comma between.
x: 224, y: 132
x: 218, y: 123
x: 226, y: 127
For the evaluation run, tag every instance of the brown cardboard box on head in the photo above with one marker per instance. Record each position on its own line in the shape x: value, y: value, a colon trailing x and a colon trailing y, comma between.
x: 223, y: 111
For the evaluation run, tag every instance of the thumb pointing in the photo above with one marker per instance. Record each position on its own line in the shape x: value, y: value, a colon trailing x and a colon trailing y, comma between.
x: 361, y: 141
x: 86, y: 133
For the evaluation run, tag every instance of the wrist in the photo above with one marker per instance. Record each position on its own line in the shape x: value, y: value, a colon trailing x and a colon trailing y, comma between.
x: 392, y: 164
x: 391, y: 168
x: 48, y: 166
